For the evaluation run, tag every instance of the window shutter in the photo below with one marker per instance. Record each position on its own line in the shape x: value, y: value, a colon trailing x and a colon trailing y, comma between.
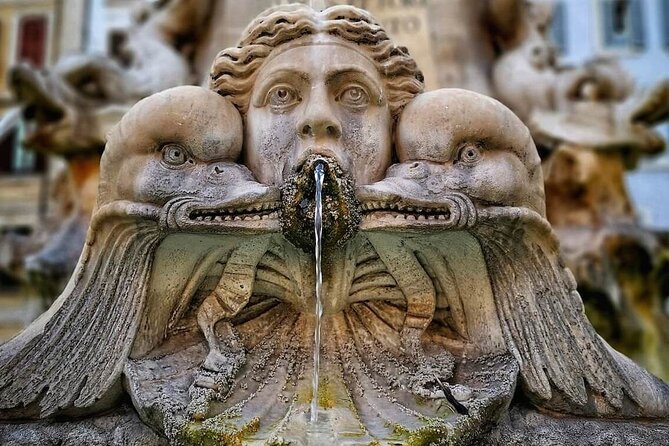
x: 664, y: 22
x: 558, y: 31
x: 606, y: 10
x: 638, y: 34
x: 32, y: 40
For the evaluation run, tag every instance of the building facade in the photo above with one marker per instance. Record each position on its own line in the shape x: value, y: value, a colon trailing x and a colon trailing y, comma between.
x: 636, y: 32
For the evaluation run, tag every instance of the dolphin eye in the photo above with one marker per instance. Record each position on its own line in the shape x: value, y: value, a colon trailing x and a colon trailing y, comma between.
x: 174, y: 155
x: 469, y: 154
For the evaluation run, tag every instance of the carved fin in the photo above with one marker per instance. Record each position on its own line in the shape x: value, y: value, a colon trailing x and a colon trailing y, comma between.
x: 73, y: 354
x: 410, y: 277
x: 235, y: 287
x: 564, y: 365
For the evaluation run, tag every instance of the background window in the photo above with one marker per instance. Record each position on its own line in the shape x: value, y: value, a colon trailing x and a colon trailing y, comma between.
x: 622, y: 24
x: 664, y: 21
x: 32, y: 40
x: 558, y: 33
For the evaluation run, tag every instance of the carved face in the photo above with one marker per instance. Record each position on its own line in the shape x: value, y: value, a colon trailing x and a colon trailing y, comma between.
x: 70, y: 107
x: 177, y: 149
x: 323, y: 99
x: 454, y: 143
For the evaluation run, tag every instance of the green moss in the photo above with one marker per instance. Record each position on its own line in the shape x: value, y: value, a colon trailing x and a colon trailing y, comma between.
x: 431, y: 434
x: 218, y: 432
x: 326, y: 396
x: 426, y: 436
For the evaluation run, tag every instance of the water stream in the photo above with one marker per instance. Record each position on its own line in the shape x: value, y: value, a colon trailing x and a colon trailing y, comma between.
x: 319, y: 174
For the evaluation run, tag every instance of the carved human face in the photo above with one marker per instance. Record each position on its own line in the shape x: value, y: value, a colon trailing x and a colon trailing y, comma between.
x: 318, y: 99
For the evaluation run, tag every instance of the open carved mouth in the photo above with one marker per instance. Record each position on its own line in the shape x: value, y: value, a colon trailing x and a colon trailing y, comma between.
x: 261, y: 211
x: 378, y: 210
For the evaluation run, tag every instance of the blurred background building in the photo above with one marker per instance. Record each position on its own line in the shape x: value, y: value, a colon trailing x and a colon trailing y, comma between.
x: 43, y: 32
x: 638, y: 36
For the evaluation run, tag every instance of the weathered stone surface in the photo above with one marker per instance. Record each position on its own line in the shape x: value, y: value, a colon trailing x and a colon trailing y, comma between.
x: 449, y: 309
x: 122, y: 427
x: 523, y: 427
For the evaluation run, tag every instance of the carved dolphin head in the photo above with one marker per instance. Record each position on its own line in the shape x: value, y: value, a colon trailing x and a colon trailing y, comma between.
x: 176, y: 150
x: 469, y: 164
x: 68, y: 108
x: 456, y: 147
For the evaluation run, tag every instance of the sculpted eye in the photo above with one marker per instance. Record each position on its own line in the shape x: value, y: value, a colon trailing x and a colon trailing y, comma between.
x: 281, y: 97
x: 174, y: 155
x: 354, y: 96
x: 469, y: 154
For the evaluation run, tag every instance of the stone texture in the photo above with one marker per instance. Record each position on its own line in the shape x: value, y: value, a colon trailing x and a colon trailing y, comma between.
x: 448, y: 311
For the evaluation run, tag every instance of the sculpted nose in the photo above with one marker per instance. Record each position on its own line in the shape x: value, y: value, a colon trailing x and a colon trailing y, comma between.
x: 320, y: 128
x: 319, y: 121
x: 221, y: 172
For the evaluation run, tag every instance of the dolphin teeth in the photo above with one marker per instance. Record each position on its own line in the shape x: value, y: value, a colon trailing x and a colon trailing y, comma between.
x: 227, y: 218
x: 431, y: 217
x: 218, y: 218
x: 411, y: 217
x: 421, y: 217
x: 274, y: 214
x: 208, y: 218
x: 441, y: 217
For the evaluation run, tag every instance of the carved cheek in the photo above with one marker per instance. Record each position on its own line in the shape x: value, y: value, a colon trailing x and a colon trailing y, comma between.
x: 366, y: 140
x: 271, y: 140
x: 156, y: 184
x: 498, y: 180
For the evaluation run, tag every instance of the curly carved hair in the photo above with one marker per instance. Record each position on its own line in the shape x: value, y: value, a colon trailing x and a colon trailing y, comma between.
x: 234, y: 70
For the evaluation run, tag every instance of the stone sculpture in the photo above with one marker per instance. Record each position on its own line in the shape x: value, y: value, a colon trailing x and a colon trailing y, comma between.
x: 69, y: 108
x: 588, y: 120
x: 602, y: 126
x: 173, y: 42
x: 448, y: 314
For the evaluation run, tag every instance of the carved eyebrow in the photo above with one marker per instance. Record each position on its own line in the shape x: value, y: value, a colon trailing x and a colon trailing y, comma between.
x: 287, y: 75
x: 361, y: 75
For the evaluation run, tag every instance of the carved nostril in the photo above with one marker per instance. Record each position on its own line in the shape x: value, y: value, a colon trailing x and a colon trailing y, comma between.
x: 307, y: 130
x: 218, y: 169
x: 332, y: 131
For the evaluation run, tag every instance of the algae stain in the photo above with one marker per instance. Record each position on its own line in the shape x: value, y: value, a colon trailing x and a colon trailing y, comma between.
x: 217, y: 432
x: 429, y: 435
x: 326, y: 396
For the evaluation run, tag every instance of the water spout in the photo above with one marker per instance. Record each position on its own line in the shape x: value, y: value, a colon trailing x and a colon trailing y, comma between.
x: 319, y: 175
